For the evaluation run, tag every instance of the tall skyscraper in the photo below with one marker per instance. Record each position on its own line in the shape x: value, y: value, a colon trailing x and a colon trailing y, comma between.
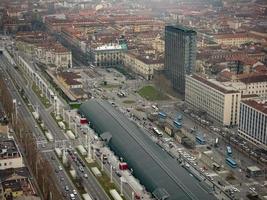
x: 180, y: 54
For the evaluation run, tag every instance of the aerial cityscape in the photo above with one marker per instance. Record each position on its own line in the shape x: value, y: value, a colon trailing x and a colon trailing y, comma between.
x: 133, y: 99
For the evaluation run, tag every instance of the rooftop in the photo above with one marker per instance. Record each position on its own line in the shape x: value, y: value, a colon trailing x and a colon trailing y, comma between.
x: 256, y: 78
x: 226, y: 89
x: 260, y: 105
x: 180, y: 28
x: 8, y: 149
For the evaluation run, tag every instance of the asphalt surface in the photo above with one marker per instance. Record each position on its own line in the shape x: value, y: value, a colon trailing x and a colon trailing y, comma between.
x: 49, y: 122
x: 95, y: 189
x: 23, y: 111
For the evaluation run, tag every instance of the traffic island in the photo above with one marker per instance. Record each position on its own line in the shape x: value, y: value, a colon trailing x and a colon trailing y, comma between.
x: 43, y: 99
x: 104, y: 179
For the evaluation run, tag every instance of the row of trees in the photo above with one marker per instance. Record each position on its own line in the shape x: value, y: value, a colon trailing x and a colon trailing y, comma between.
x: 38, y: 164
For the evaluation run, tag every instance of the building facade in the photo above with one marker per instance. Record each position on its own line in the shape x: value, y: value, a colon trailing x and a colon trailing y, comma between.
x: 108, y: 55
x: 144, y: 66
x: 180, y: 54
x: 253, y: 121
x: 221, y: 103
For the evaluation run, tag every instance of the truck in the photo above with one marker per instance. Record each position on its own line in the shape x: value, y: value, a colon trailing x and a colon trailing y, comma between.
x: 82, y: 150
x: 62, y: 125
x: 58, y: 152
x: 83, y: 121
x: 49, y: 136
x: 123, y: 166
x: 115, y: 195
x: 70, y: 134
x: 86, y: 196
x: 179, y: 116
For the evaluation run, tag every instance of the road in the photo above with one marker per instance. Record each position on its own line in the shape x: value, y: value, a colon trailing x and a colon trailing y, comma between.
x: 27, y: 116
x: 35, y: 101
x: 49, y: 122
x: 23, y: 111
x: 61, y: 175
x: 95, y: 189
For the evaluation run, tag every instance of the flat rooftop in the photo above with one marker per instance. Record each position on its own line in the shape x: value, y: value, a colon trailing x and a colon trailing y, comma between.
x: 220, y: 86
x: 8, y: 148
x: 180, y: 28
x: 257, y: 104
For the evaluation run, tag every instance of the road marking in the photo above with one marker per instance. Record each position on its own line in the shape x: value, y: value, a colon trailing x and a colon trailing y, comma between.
x: 252, y: 183
x: 47, y: 151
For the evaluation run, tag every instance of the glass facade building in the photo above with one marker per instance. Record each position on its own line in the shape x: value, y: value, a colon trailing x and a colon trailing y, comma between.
x: 180, y: 54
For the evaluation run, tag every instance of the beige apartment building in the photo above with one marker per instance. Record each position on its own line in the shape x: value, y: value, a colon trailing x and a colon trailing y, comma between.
x: 144, y: 66
x: 220, y: 102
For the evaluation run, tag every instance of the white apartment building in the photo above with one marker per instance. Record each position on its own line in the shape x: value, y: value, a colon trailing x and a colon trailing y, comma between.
x: 108, y: 55
x: 220, y: 102
x: 253, y: 121
x: 10, y: 156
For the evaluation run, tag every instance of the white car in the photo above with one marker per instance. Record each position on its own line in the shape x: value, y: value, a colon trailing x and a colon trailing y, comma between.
x: 74, y: 192
x: 60, y: 168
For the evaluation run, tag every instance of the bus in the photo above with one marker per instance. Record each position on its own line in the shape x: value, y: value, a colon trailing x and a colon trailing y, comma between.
x: 177, y: 124
x: 232, y: 163
x: 229, y: 150
x: 162, y: 115
x: 200, y: 140
x: 157, y: 132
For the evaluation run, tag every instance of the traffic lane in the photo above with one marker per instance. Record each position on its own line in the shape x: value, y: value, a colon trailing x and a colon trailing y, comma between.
x: 92, y: 185
x: 66, y: 181
x: 23, y: 110
x: 55, y: 130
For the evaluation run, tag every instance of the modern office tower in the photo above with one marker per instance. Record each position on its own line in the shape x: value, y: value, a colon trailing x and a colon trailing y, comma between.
x: 180, y: 54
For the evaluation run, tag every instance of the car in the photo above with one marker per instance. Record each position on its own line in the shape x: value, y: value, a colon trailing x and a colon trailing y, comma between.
x: 60, y: 168
x: 61, y: 178
x: 74, y: 192
x: 85, y: 176
x: 81, y: 169
x: 118, y: 173
x: 67, y: 188
x: 56, y: 171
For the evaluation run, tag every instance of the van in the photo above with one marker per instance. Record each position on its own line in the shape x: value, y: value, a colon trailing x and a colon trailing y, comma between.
x: 72, y: 197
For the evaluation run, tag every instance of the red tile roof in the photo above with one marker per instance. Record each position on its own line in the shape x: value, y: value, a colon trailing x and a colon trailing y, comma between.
x: 254, y: 78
